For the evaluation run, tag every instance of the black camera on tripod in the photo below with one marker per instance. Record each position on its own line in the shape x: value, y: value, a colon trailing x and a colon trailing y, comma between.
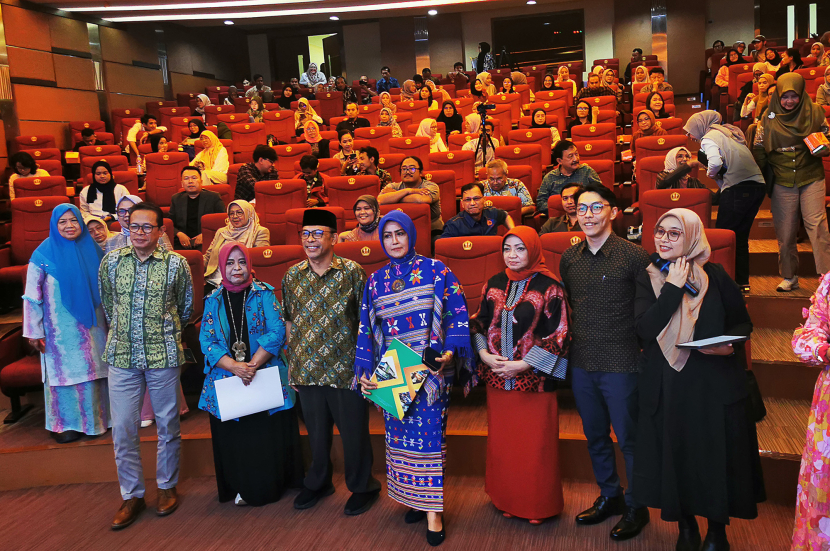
x: 483, y: 108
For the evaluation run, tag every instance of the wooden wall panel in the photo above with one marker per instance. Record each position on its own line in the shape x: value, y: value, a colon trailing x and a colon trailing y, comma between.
x: 129, y: 101
x: 74, y: 72
x: 60, y: 130
x: 124, y: 47
x: 128, y: 79
x: 184, y: 84
x: 69, y: 34
x: 26, y: 28
x: 25, y: 63
x: 40, y: 103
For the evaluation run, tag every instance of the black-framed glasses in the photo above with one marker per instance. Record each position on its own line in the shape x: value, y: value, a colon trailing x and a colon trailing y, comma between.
x: 142, y: 228
x: 596, y: 208
x: 673, y: 235
x: 409, y: 169
x: 318, y: 234
x: 123, y: 212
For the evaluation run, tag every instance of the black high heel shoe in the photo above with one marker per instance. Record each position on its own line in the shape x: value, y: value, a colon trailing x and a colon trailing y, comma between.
x: 437, y: 538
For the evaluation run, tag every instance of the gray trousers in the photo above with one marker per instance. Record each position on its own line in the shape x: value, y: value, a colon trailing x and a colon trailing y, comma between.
x: 788, y: 206
x: 127, y: 388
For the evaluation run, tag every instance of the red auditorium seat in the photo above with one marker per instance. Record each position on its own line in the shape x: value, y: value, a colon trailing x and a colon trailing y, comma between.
x: 232, y: 118
x: 197, y: 147
x: 412, y: 129
x: 513, y: 206
x: 672, y: 125
x: 640, y: 98
x: 553, y: 95
x: 53, y: 167
x: 334, y: 145
x: 330, y: 105
x: 343, y: 191
x: 538, y: 136
x: 669, y: 108
x: 446, y: 182
x: 147, y: 148
x: 523, y: 173
x: 163, y: 177
x: 502, y: 118
x: 555, y: 208
x: 605, y: 170
x: 530, y: 155
x: 20, y: 372
x: 294, y: 223
x: 30, y: 226
x: 456, y: 141
x: 722, y: 243
x: 51, y: 154
x: 391, y: 163
x: 287, y: 155
x: 245, y: 139
x: 417, y: 146
x: 271, y: 263
x: 658, y: 146
x: 591, y: 132
x: 654, y: 203
x: 378, y: 136
x: 368, y: 254
x: 126, y: 125
x: 603, y: 102
x: 514, y: 101
x: 462, y: 163
x: 98, y: 151
x: 126, y: 178
x: 75, y: 128
x: 211, y: 112
x: 233, y: 173
x: 52, y: 186
x: 370, y: 112
x: 211, y: 223
x: 183, y: 100
x: 197, y: 272
x: 241, y: 105
x: 556, y: 107
x: 116, y: 162
x: 647, y: 171
x: 41, y: 141
x: 597, y: 149
x: 421, y: 218
x: 179, y: 128
x: 526, y: 122
x: 554, y: 244
x: 473, y: 260
x: 118, y: 115
x: 167, y: 113
x: 274, y: 199
x: 280, y: 124
x: 464, y: 105
x: 417, y: 109
x: 327, y: 167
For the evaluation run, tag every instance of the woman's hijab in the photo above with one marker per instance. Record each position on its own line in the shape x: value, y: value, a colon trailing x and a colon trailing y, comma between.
x: 699, y: 124
x: 784, y: 128
x: 90, y: 219
x: 107, y: 190
x: 375, y: 206
x: 74, y: 264
x: 260, y: 106
x: 408, y: 226
x: 474, y: 122
x: 285, y: 101
x: 308, y: 112
x: 454, y: 122
x: 670, y: 164
x: 386, y: 102
x: 762, y: 99
x: 535, y: 258
x: 729, y: 62
x: 681, y: 327
x: 408, y: 90
x: 392, y: 118
x: 826, y: 84
x: 134, y: 200
x: 425, y: 129
x: 518, y: 78
x: 244, y: 235
x: 608, y: 81
x: 211, y: 152
x: 307, y: 136
x: 224, y: 254
x: 534, y: 124
x: 200, y: 124
x: 652, y: 121
x: 641, y: 74
x: 205, y: 103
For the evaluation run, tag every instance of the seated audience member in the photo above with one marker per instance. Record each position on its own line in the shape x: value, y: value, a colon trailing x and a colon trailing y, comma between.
x: 419, y: 82
x: 212, y: 161
x: 817, y: 50
x: 242, y: 227
x: 520, y: 79
x: 458, y: 77
x: 369, y: 159
x: 387, y: 81
x: 538, y: 119
x: 473, y: 122
x: 429, y: 128
x: 646, y: 126
x: 755, y: 105
x: 438, y: 94
x: 268, y: 97
x: 790, y: 62
x: 387, y: 103
x: 388, y: 118
x: 233, y: 93
x: 187, y: 208
x: 159, y: 143
x: 595, y: 88
x: 349, y: 96
x: 823, y: 92
x: 656, y: 104
x: 483, y: 86
x: 98, y: 230
x: 475, y: 218
x: 320, y: 90
x: 563, y: 80
x: 148, y: 124
x: 641, y: 75
x: 353, y: 121
x: 304, y: 113
x: 349, y: 163
x: 312, y: 77
x: 122, y: 238
x: 260, y: 169
x: 408, y: 90
x: 426, y: 74
x: 498, y: 184
x: 657, y: 78
x: 413, y: 188
x: 258, y: 88
x: 101, y: 197
x: 367, y: 213
x: 287, y: 96
x: 609, y: 81
x: 453, y: 121
x: 202, y: 101
x: 585, y: 114
x: 569, y: 171
x: 425, y: 94
x: 717, y: 47
x: 548, y: 83
x: 88, y: 138
x: 568, y: 221
x: 636, y: 57
x: 196, y: 127
x: 759, y: 48
x: 311, y: 136
x: 740, y: 46
x: 721, y: 83
x: 365, y: 92
x: 23, y: 166
x: 773, y: 60
x: 507, y: 86
x: 677, y: 168
x: 757, y: 70
x: 314, y: 181
x: 256, y: 109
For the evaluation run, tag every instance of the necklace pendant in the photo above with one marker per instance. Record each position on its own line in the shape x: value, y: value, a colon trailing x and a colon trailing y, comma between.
x: 398, y: 285
x: 239, y: 349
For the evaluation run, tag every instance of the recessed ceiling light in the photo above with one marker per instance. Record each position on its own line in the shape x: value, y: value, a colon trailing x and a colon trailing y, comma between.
x: 334, y: 18
x: 547, y: 23
x: 228, y: 22
x: 433, y: 12
x: 531, y: 2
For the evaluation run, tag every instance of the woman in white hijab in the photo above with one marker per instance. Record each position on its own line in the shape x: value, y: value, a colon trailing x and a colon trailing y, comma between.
x: 243, y: 227
x: 429, y: 128
x: 312, y: 77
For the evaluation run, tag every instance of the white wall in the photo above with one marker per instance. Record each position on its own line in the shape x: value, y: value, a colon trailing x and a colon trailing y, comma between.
x: 259, y: 56
x: 729, y: 21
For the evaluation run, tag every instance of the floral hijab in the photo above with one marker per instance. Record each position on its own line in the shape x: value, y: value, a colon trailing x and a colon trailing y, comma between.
x: 386, y: 102
x: 408, y: 90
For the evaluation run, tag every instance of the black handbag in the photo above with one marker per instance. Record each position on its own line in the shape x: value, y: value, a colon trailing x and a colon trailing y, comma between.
x: 759, y: 410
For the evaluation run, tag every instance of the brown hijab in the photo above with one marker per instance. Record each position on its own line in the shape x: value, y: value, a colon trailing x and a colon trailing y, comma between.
x: 681, y: 326
x: 784, y: 128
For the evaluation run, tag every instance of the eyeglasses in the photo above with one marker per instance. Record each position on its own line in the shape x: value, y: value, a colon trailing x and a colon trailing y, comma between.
x: 409, y: 169
x: 318, y: 234
x: 596, y: 208
x: 142, y: 228
x: 472, y: 199
x: 674, y: 235
x: 236, y: 214
x: 123, y: 212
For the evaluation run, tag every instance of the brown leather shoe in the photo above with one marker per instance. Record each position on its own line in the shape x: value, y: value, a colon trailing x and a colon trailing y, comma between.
x: 128, y: 512
x: 168, y: 502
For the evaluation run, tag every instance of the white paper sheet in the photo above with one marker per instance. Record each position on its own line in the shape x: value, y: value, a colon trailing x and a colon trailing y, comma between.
x: 237, y: 400
x: 712, y: 341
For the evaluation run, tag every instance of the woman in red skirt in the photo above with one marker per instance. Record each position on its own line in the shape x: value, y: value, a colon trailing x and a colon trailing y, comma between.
x: 521, y: 334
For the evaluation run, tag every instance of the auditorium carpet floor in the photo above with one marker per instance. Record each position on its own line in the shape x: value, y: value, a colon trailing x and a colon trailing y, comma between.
x: 77, y: 517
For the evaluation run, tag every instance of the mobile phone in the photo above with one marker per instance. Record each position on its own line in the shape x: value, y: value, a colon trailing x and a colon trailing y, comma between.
x: 431, y: 359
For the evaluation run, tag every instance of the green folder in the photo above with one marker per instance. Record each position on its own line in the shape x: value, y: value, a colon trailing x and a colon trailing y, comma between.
x: 400, y: 374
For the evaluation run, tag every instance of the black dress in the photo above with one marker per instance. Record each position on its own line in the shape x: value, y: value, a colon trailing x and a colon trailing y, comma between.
x: 697, y: 447
x: 257, y: 456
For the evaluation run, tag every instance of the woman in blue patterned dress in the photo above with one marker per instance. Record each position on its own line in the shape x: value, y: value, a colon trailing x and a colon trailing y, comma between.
x: 64, y: 320
x: 418, y: 301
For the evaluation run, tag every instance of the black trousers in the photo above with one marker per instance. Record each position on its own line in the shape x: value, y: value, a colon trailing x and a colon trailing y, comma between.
x: 324, y: 407
x: 737, y: 208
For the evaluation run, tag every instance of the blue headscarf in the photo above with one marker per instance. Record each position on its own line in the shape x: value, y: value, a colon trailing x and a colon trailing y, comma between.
x: 408, y: 226
x: 74, y: 264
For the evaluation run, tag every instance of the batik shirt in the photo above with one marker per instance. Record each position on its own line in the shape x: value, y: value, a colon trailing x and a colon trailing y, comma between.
x: 147, y: 303
x: 512, y: 188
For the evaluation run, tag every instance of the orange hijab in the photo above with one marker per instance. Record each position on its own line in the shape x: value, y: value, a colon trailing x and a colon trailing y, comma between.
x: 536, y: 260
